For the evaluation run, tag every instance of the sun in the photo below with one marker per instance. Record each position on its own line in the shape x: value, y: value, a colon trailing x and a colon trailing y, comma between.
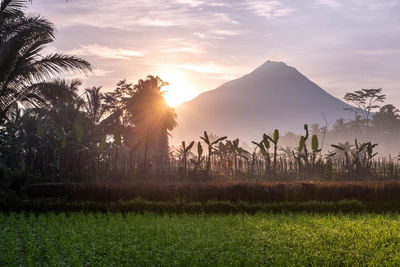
x: 179, y: 89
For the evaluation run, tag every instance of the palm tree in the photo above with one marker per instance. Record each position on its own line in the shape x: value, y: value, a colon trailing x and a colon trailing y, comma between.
x: 151, y: 115
x: 94, y: 108
x: 387, y: 120
x: 23, y: 69
x: 339, y: 125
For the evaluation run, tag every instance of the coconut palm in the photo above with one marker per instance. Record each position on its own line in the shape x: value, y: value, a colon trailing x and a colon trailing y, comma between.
x: 94, y: 108
x: 23, y: 69
x: 151, y: 115
x: 340, y: 126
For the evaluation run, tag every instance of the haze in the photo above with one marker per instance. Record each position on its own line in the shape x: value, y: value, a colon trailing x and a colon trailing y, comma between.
x: 196, y: 45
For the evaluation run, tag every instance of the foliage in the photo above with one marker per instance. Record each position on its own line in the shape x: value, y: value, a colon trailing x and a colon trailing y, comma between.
x: 210, y: 144
x: 24, y: 71
x: 366, y: 100
x: 202, y: 240
x: 60, y: 135
x: 222, y: 191
x: 151, y: 115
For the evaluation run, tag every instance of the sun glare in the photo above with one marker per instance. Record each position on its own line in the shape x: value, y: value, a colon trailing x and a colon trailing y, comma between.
x: 179, y: 89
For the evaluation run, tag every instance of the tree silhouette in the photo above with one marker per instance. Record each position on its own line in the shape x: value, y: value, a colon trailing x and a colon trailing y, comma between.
x: 22, y: 67
x: 151, y: 115
x: 366, y: 100
x: 94, y: 107
x: 387, y: 120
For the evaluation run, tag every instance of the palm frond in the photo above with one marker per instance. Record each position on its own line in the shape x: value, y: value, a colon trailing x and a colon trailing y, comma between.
x: 32, y: 31
x: 26, y: 28
x: 11, y: 8
x: 53, y: 64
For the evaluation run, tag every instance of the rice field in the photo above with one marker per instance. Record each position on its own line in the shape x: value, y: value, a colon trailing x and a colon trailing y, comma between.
x: 113, y: 239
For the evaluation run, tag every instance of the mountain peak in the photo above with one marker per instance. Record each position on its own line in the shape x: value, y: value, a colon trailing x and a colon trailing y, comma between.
x: 276, y: 63
x: 273, y: 96
x: 271, y: 65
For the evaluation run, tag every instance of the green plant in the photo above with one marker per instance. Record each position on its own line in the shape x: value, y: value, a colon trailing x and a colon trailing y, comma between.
x: 211, y: 147
x: 24, y: 70
x: 345, y: 149
x: 199, y: 157
x: 185, y: 152
x: 370, y: 153
x: 264, y: 146
x: 315, y: 148
x: 301, y: 150
x: 274, y: 140
x: 236, y: 151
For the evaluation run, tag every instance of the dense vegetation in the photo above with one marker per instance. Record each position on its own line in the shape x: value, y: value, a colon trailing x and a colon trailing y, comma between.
x: 50, y: 132
x: 238, y: 240
x: 222, y: 191
x: 88, y: 170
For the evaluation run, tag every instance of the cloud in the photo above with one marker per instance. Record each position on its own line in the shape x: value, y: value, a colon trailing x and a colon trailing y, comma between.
x: 225, y: 32
x: 192, y: 3
x: 208, y: 36
x: 127, y: 15
x: 218, y: 4
x: 148, y: 21
x: 269, y: 9
x: 207, y: 68
x: 329, y: 3
x: 105, y: 52
x: 225, y: 18
x: 381, y: 5
x: 389, y: 52
x: 99, y: 72
x: 193, y: 50
x: 201, y: 37
x: 217, y: 34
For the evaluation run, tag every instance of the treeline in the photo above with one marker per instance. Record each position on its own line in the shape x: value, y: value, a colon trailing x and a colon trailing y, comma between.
x: 52, y: 132
x: 49, y: 130
x: 373, y: 120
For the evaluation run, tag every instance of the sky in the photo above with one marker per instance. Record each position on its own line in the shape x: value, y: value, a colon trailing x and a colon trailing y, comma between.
x: 196, y: 45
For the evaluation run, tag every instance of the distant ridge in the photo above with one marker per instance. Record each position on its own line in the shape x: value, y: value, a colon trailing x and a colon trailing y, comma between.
x: 274, y: 95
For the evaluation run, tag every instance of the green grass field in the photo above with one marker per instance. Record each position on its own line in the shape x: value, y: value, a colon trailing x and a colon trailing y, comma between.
x: 216, y: 240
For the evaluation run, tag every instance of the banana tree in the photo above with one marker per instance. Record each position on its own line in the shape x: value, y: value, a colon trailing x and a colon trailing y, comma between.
x: 297, y: 154
x: 303, y: 145
x: 358, y: 153
x: 210, y: 145
x: 263, y: 147
x: 343, y: 149
x: 253, y: 161
x: 199, y: 158
x: 185, y: 152
x: 236, y: 151
x: 222, y: 152
x: 274, y: 140
x: 315, y: 148
x: 370, y: 154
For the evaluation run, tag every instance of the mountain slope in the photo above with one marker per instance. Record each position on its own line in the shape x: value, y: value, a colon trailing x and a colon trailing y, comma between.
x: 272, y: 96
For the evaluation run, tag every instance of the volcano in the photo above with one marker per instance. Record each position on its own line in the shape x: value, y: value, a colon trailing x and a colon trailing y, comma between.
x: 273, y: 96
